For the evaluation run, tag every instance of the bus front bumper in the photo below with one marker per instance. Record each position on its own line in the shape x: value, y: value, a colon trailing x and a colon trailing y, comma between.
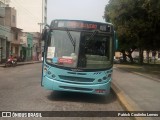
x: 101, y: 89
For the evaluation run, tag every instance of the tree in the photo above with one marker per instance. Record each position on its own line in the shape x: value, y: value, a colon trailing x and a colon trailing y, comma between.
x: 137, y: 23
x: 122, y: 21
x: 153, y: 9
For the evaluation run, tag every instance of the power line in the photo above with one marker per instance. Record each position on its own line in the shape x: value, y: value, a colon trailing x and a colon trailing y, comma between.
x: 26, y: 9
x: 16, y: 4
x: 31, y: 18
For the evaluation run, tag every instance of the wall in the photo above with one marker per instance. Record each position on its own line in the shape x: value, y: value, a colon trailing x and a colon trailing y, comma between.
x: 5, y: 37
x: 30, y: 46
x: 36, y: 45
x: 10, y: 17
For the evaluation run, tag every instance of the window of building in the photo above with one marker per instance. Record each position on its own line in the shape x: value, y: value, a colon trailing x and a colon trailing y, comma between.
x: 16, y: 36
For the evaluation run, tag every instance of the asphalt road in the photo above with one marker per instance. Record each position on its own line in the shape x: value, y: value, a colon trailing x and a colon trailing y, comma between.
x: 20, y: 90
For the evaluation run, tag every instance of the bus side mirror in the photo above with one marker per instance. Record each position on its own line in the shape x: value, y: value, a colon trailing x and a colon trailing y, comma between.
x: 45, y: 33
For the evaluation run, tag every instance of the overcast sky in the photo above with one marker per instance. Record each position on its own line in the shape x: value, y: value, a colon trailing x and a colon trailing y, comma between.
x: 29, y: 11
x: 92, y: 10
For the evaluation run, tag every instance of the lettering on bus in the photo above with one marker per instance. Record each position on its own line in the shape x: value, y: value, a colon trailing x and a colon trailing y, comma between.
x: 81, y: 25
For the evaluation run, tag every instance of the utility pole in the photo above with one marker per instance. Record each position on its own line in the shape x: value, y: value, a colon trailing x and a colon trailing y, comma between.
x: 41, y: 28
x: 41, y: 43
x: 42, y: 13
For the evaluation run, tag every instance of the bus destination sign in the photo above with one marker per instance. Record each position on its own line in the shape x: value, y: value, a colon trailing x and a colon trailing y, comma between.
x: 81, y: 25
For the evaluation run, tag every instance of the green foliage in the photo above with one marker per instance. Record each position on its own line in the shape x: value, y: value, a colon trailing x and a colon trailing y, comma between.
x: 137, y: 23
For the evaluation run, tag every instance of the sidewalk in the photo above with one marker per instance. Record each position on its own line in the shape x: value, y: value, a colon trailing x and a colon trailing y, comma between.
x: 136, y: 91
x: 23, y: 63
x: 149, y: 71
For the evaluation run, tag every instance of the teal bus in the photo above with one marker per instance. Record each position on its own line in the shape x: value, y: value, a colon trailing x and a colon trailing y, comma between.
x: 78, y: 56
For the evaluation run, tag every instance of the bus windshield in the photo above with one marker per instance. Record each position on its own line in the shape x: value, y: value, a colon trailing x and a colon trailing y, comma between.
x: 83, y: 50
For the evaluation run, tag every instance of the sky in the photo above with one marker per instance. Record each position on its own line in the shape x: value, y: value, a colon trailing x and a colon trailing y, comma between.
x: 28, y: 14
x: 91, y: 10
x: 29, y: 11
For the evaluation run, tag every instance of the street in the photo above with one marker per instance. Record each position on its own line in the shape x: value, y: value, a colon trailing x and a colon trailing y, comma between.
x: 20, y: 90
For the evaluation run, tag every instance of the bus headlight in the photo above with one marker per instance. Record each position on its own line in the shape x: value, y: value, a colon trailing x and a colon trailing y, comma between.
x: 99, y: 80
x: 109, y: 75
x: 48, y: 72
x: 104, y: 78
x: 53, y: 76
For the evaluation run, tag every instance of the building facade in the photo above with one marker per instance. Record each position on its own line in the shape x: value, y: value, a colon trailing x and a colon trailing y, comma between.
x: 11, y: 21
x: 5, y: 34
x: 12, y: 39
x: 5, y: 38
x: 36, y: 45
x: 10, y: 35
x: 27, y: 46
x: 16, y: 41
x: 10, y: 17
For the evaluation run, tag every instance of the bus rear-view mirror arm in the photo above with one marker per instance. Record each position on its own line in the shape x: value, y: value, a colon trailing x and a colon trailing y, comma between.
x: 45, y: 32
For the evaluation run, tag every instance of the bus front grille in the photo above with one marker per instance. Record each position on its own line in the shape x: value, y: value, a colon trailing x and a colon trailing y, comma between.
x: 76, y: 79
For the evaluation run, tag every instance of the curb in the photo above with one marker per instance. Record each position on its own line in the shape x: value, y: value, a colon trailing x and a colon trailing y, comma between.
x: 19, y: 64
x: 127, y: 103
x: 29, y: 63
x: 155, y: 79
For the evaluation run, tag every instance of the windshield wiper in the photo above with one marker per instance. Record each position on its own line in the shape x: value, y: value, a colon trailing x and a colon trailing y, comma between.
x: 71, y: 39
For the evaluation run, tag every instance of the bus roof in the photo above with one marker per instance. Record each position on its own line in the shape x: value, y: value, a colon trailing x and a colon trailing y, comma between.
x: 81, y: 25
x: 81, y: 21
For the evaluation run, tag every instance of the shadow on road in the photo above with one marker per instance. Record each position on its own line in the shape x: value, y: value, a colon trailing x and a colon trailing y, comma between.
x: 81, y: 97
